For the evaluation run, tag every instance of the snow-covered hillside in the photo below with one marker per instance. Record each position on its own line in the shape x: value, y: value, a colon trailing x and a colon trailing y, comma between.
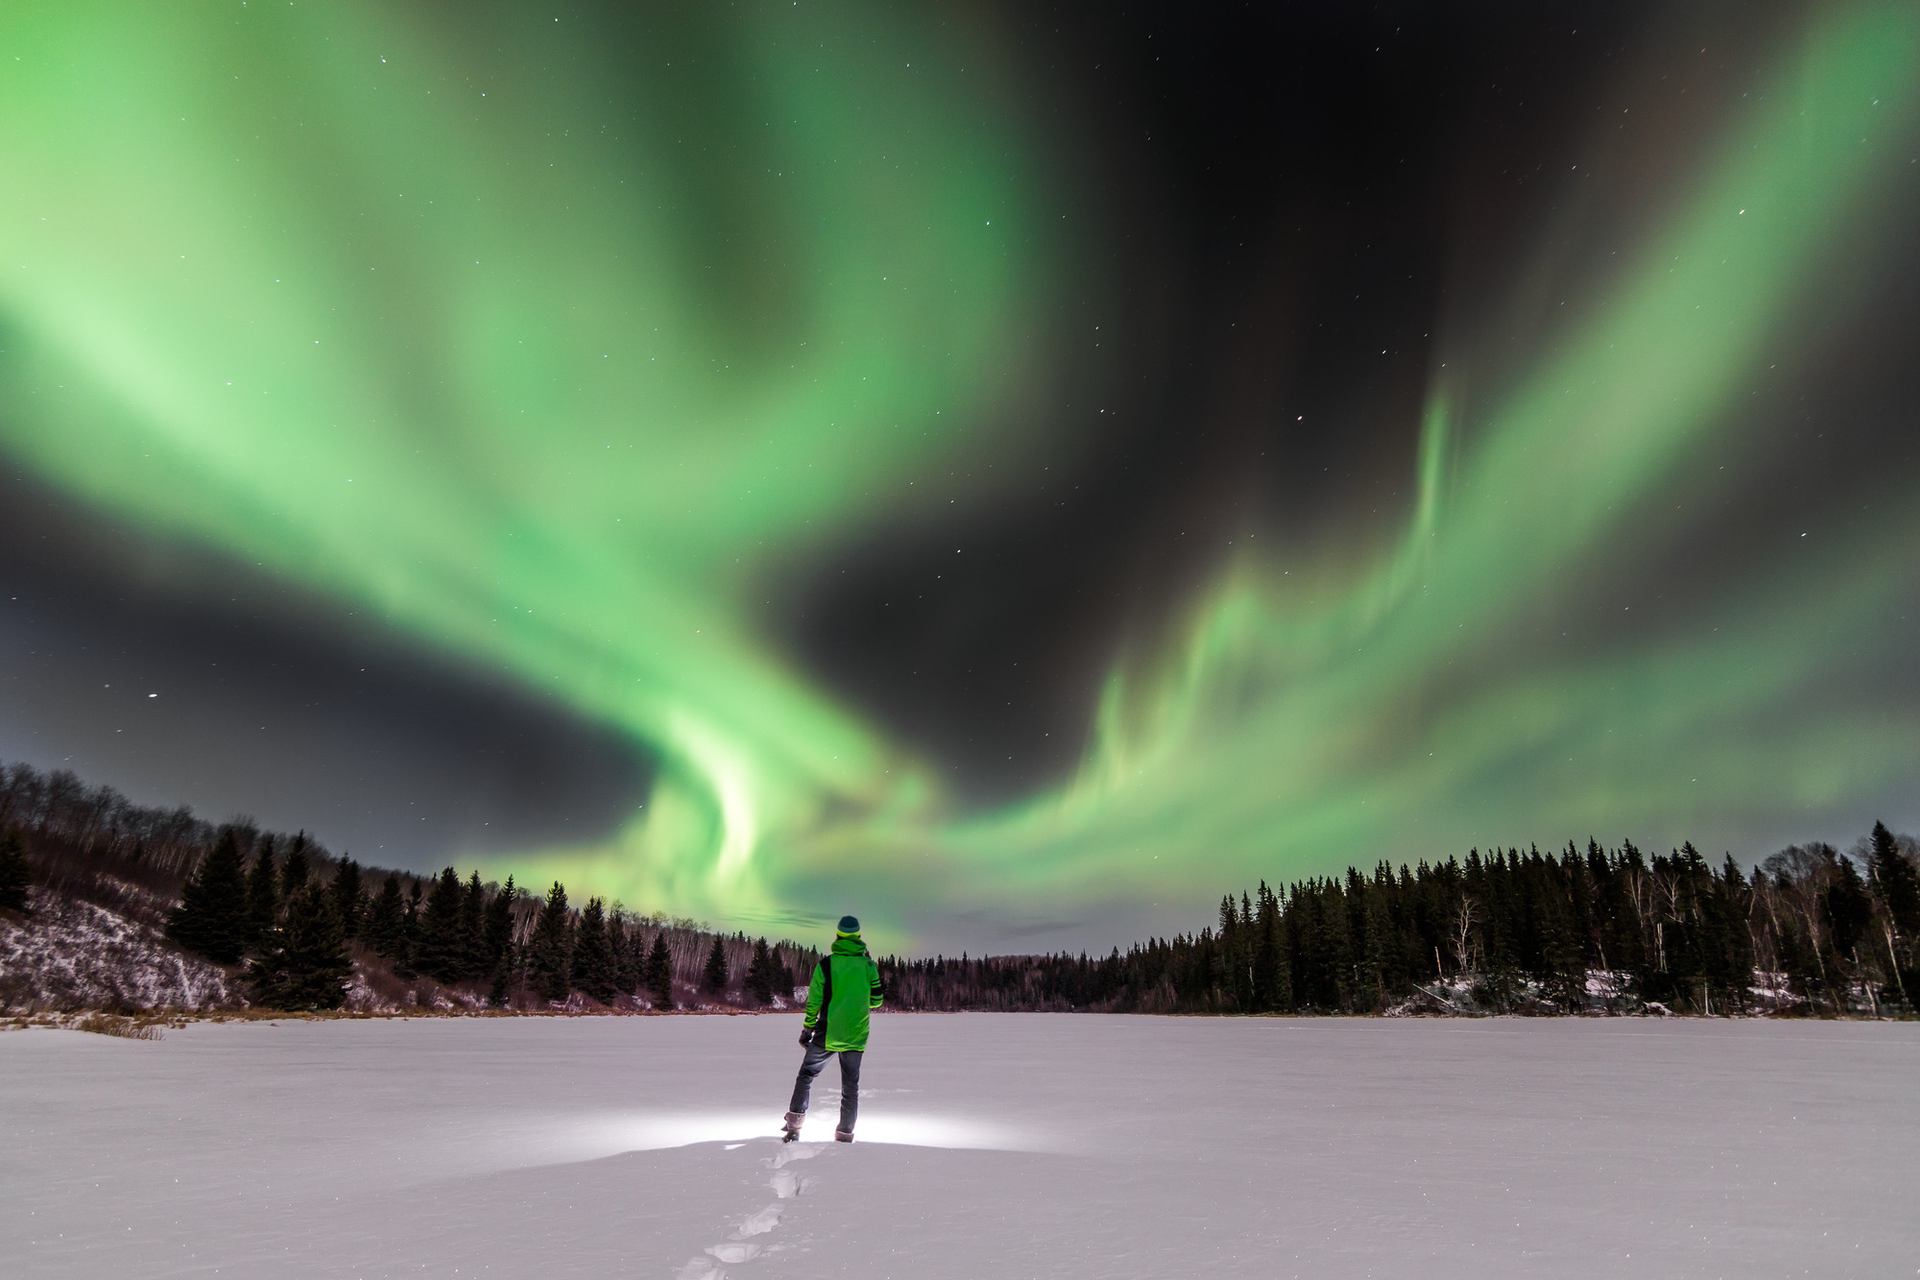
x: 1004, y: 1146
x: 73, y: 954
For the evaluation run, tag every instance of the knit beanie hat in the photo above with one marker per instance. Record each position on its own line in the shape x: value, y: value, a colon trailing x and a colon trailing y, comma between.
x: 849, y: 927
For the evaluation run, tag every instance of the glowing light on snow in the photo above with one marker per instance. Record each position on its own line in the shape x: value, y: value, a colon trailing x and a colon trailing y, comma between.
x: 953, y: 1133
x: 592, y: 1137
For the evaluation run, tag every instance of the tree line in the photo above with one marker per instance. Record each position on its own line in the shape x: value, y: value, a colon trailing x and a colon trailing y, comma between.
x: 1509, y: 930
x: 295, y: 932
x: 1595, y: 928
x: 295, y: 918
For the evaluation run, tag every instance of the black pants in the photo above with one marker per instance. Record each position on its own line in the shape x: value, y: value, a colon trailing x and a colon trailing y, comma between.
x: 813, y: 1064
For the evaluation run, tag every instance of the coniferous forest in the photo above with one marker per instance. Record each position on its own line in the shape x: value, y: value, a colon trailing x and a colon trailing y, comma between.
x: 1594, y: 930
x: 300, y: 928
x: 1809, y: 929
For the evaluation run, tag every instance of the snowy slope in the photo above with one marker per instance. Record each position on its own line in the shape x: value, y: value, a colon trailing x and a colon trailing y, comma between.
x: 992, y: 1146
x: 72, y: 954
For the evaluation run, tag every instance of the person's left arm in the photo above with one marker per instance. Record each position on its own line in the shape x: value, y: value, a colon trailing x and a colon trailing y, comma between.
x: 816, y: 991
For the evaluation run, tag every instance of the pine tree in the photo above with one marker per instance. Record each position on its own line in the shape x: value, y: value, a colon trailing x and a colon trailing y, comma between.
x: 1376, y: 945
x: 473, y: 929
x: 620, y: 947
x: 442, y: 953
x: 1266, y: 952
x: 713, y: 980
x: 348, y: 901
x: 266, y: 972
x: 386, y: 919
x: 212, y: 917
x: 498, y: 943
x: 1895, y: 882
x: 1563, y: 967
x: 1730, y: 965
x: 1896, y: 886
x: 406, y: 954
x: 660, y: 972
x: 293, y: 876
x: 761, y: 973
x: 1848, y: 909
x: 592, y: 955
x: 263, y: 895
x: 1226, y: 953
x: 14, y: 875
x: 502, y: 954
x: 306, y: 967
x: 550, y: 950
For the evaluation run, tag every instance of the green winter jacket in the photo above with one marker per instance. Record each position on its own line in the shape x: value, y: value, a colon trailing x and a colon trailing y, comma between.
x: 856, y: 991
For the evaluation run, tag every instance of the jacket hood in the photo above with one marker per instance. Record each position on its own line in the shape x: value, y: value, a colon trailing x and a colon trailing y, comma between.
x: 849, y: 945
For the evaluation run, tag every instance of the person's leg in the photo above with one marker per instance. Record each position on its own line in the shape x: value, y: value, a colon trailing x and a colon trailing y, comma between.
x: 849, y: 1089
x: 810, y: 1066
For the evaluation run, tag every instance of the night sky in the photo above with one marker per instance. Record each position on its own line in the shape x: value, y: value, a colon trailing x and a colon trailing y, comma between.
x: 1012, y: 471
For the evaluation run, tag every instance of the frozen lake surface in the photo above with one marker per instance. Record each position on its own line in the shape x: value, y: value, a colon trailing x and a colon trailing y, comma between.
x: 991, y: 1146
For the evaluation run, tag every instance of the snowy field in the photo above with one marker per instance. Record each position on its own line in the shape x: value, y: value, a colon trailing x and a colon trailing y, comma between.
x: 993, y: 1147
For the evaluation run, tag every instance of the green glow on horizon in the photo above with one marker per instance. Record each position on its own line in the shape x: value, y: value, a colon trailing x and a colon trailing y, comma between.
x: 518, y: 360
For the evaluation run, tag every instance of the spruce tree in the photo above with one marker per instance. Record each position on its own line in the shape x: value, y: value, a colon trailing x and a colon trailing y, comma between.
x: 263, y: 895
x: 348, y: 901
x: 307, y: 966
x: 293, y: 876
x: 14, y: 876
x: 1849, y: 910
x: 620, y: 946
x: 714, y: 979
x: 405, y: 960
x: 1373, y: 945
x: 1266, y: 951
x: 549, y: 951
x: 760, y: 973
x: 498, y: 941
x: 1896, y: 885
x: 1728, y: 906
x: 441, y: 955
x: 386, y: 919
x: 212, y: 917
x: 500, y: 989
x: 502, y: 954
x: 266, y: 972
x: 1244, y: 944
x: 1563, y: 967
x: 660, y: 972
x: 592, y: 954
x: 473, y: 930
x: 1895, y: 882
x: 1227, y: 952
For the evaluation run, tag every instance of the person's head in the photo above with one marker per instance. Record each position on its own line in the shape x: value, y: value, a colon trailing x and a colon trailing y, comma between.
x: 849, y: 928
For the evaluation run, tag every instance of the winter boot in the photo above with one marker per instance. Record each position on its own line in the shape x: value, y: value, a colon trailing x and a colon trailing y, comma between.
x: 790, y: 1127
x: 843, y: 1135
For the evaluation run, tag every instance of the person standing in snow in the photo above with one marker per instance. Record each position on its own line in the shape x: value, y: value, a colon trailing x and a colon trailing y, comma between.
x: 844, y: 991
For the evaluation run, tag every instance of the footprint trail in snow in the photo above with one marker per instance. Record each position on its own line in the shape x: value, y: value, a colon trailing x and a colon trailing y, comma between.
x: 741, y: 1245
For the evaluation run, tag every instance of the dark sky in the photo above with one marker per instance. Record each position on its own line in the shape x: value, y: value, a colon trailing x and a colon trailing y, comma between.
x: 1143, y: 568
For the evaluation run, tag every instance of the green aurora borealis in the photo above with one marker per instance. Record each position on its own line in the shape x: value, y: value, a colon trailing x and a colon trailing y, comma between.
x: 550, y: 365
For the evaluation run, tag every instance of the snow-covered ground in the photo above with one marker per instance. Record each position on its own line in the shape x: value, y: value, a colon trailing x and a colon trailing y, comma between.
x: 991, y: 1146
x: 80, y: 955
